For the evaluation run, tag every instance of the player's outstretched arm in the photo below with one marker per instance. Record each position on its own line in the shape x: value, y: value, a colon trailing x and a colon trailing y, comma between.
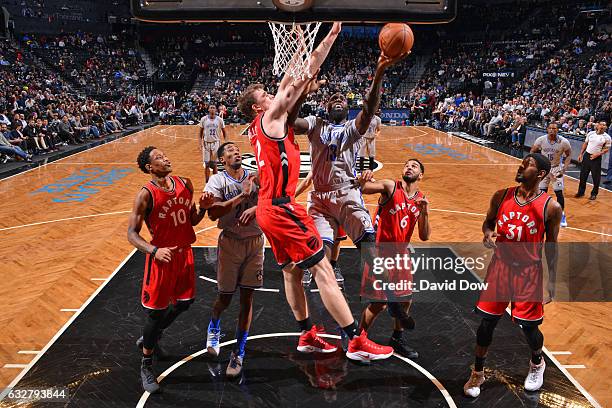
x: 372, y: 99
x: 488, y: 226
x: 554, y: 213
x: 368, y: 185
x: 300, y: 125
x: 290, y: 90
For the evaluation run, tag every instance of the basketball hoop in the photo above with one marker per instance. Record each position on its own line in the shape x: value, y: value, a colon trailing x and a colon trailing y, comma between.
x: 293, y: 44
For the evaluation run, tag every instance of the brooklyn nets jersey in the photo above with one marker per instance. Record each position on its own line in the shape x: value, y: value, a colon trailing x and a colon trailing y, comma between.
x: 553, y: 150
x: 333, y: 151
x: 212, y: 128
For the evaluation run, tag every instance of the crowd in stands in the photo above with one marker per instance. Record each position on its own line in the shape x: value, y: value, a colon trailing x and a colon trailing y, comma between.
x: 40, y: 113
x: 98, y: 64
x: 91, y: 84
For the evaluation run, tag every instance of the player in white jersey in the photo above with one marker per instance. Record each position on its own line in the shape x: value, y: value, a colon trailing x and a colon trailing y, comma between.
x: 558, y: 150
x: 240, y: 251
x: 211, y: 127
x: 368, y: 147
x: 334, y: 145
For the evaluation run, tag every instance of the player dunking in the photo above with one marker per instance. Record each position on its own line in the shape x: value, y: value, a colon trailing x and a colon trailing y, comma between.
x: 523, y: 216
x: 240, y: 251
x: 166, y: 205
x: 559, y: 152
x: 291, y: 232
x: 211, y: 126
x: 368, y: 147
x: 401, y: 207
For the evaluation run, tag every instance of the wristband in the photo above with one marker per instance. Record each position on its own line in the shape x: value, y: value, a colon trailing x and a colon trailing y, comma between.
x: 154, y: 251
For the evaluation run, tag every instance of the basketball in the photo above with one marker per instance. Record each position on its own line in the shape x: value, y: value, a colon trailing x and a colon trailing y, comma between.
x: 395, y: 39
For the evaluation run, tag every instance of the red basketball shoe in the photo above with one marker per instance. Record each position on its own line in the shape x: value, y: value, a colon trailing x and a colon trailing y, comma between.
x: 310, y: 342
x: 361, y: 348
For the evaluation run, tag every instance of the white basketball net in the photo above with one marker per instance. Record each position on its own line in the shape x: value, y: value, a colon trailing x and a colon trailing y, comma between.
x: 293, y: 45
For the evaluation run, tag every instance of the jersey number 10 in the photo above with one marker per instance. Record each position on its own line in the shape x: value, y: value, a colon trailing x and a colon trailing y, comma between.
x: 179, y: 217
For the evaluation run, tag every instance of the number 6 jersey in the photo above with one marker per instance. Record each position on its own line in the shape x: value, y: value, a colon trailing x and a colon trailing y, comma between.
x: 397, y: 216
x: 169, y: 220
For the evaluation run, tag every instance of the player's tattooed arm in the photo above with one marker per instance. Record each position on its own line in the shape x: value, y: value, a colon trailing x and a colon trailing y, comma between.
x: 554, y: 213
x: 488, y: 226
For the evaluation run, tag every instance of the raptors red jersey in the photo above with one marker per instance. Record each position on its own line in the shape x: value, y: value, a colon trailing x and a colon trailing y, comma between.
x: 169, y: 220
x: 278, y: 161
x: 523, y: 225
x: 397, y: 217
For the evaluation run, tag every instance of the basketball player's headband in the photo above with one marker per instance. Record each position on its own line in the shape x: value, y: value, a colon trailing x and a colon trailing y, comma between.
x: 542, y: 162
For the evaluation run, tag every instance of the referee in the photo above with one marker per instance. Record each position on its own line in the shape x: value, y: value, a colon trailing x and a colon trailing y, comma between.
x: 596, y: 144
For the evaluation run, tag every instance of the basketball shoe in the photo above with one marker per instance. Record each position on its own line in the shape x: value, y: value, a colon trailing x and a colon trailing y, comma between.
x: 360, y: 348
x: 212, y: 341
x: 310, y: 342
x: 472, y: 387
x: 535, y: 377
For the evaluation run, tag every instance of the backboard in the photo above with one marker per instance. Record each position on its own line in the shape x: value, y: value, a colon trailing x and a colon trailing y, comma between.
x: 355, y: 11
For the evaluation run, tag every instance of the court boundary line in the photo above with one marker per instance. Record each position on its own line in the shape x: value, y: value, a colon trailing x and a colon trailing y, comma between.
x: 79, y: 217
x: 145, y: 395
x: 505, y: 154
x: 82, y: 151
x: 61, y: 331
x: 550, y: 355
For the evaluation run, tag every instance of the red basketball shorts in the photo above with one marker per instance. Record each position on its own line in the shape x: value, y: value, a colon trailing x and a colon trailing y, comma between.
x: 517, y: 284
x: 385, y: 283
x: 166, y: 283
x: 291, y: 233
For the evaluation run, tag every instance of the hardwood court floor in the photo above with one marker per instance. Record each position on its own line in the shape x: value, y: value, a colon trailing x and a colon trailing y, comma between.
x: 63, y: 231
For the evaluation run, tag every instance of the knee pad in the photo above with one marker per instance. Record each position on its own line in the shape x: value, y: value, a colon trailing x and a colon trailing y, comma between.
x: 534, y: 337
x: 484, y: 334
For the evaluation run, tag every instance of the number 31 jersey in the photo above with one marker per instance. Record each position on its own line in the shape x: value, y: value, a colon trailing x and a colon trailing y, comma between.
x: 521, y: 227
x: 169, y: 220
